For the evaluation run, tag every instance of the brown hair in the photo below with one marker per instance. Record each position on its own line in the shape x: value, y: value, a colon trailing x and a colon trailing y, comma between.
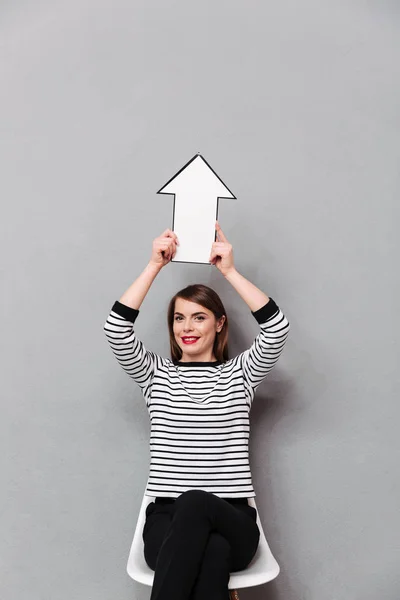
x: 207, y: 297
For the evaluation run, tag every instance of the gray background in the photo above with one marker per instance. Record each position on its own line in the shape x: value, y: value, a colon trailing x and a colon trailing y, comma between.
x: 296, y: 107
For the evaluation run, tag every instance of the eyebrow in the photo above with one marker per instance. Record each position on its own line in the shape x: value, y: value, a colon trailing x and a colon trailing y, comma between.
x: 193, y: 314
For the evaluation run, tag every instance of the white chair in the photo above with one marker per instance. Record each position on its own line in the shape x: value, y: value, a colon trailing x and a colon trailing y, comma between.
x: 262, y: 568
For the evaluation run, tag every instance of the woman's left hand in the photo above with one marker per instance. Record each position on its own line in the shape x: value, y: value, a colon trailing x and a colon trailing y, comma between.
x: 222, y: 253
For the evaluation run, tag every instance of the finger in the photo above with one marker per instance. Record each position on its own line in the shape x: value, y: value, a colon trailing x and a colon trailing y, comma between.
x: 221, y: 233
x: 169, y: 234
x: 172, y: 237
x: 168, y: 242
x: 166, y: 247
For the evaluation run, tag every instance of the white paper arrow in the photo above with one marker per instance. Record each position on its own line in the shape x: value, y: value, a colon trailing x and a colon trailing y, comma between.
x: 196, y: 189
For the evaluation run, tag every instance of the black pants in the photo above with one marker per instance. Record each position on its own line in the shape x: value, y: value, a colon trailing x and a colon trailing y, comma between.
x: 195, y: 541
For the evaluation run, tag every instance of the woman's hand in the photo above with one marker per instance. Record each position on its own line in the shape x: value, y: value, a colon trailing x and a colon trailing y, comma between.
x: 222, y: 253
x: 164, y: 248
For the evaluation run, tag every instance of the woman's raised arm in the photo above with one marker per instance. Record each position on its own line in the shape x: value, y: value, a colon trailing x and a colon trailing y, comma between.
x: 164, y: 249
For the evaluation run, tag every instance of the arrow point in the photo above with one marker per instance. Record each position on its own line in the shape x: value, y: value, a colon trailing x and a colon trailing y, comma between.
x: 197, y: 168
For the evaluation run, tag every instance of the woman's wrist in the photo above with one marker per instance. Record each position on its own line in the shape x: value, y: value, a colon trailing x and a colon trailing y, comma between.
x: 153, y: 267
x: 229, y: 273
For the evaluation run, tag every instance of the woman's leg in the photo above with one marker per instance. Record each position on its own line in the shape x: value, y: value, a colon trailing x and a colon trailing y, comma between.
x: 195, y: 514
x: 158, y: 520
x: 216, y: 565
x: 213, y: 578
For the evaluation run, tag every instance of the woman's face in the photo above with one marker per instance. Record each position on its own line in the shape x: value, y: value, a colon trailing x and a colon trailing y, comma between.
x: 191, y: 319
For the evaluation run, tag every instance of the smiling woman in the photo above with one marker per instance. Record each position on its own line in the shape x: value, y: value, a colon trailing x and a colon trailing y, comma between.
x: 199, y: 402
x: 197, y: 312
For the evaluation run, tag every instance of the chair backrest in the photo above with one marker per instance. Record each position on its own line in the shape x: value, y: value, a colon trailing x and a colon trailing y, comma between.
x: 263, y: 567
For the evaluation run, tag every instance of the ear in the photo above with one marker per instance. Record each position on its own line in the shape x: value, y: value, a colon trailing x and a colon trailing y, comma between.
x: 221, y: 321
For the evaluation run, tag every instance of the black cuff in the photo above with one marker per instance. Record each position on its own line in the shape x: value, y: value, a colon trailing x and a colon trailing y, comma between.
x: 261, y: 315
x: 266, y: 312
x: 130, y: 314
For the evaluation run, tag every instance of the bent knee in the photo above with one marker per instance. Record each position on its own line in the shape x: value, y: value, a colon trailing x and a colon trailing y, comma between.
x: 193, y: 498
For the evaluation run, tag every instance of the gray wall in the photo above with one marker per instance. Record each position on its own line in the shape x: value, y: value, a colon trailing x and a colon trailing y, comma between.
x: 296, y: 106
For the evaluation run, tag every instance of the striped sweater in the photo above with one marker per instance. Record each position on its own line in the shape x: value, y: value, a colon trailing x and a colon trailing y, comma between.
x: 199, y: 411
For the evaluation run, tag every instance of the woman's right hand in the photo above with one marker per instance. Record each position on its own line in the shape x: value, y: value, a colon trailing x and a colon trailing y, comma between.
x: 164, y: 248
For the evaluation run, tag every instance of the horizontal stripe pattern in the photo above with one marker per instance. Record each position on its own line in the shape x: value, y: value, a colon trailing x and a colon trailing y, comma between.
x: 199, y: 412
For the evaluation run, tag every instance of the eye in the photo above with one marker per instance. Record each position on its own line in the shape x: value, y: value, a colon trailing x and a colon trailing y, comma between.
x: 198, y: 317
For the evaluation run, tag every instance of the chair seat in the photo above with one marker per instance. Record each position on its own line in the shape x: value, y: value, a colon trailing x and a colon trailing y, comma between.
x: 263, y: 567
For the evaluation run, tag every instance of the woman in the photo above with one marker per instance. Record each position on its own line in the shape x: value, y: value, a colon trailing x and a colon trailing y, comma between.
x: 200, y: 527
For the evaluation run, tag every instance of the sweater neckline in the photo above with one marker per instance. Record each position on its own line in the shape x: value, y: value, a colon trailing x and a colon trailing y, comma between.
x: 212, y: 363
